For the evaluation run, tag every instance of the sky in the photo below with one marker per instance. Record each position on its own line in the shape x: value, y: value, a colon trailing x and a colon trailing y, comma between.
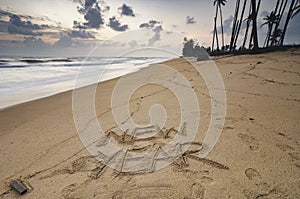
x: 114, y: 27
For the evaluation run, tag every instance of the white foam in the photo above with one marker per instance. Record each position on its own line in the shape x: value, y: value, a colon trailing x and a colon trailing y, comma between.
x: 22, y: 82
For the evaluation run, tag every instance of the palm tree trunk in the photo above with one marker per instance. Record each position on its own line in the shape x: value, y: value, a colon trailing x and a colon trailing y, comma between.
x: 240, y: 23
x: 271, y: 25
x: 233, y: 33
x: 267, y: 37
x: 247, y: 27
x: 280, y: 13
x: 215, y: 34
x: 221, y: 17
x: 288, y: 18
x: 254, y: 25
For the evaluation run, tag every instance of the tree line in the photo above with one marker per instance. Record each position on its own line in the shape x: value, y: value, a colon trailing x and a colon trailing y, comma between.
x: 245, y: 17
x: 277, y: 23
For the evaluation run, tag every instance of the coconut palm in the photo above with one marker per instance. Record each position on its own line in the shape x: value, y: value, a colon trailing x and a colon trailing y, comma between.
x: 296, y: 10
x: 275, y: 37
x: 218, y: 4
x: 240, y: 23
x: 234, y: 25
x: 270, y: 19
x: 253, y: 16
x: 248, y: 21
x: 280, y: 14
x: 291, y: 12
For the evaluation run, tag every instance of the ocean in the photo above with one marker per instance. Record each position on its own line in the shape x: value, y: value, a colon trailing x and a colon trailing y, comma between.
x: 24, y: 79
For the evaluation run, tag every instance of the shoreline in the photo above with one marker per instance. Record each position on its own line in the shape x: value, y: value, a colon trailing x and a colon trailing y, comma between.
x: 69, y: 90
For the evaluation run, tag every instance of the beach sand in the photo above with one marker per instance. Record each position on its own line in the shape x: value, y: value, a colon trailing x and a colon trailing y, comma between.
x: 257, y: 155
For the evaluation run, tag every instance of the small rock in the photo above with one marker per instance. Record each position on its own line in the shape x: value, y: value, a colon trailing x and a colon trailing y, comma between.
x: 18, y: 186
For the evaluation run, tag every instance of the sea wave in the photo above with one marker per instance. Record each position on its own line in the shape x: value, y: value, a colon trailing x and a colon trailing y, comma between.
x: 26, y: 79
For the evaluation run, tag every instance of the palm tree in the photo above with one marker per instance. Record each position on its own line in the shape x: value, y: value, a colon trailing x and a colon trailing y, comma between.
x: 240, y: 23
x: 248, y: 19
x: 254, y: 13
x: 275, y: 37
x: 291, y: 12
x: 219, y: 4
x: 234, y: 25
x: 215, y: 33
x: 296, y: 10
x: 270, y: 19
x: 280, y: 14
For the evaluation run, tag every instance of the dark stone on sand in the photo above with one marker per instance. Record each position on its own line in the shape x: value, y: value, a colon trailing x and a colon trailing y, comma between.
x: 18, y: 186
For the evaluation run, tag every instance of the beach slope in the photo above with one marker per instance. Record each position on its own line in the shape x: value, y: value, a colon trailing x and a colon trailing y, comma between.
x: 257, y: 155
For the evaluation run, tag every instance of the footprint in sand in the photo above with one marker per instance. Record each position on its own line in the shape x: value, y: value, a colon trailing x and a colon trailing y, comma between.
x: 285, y: 147
x: 198, y: 191
x: 250, y: 141
x: 82, y: 164
x: 68, y: 191
x: 290, y: 150
x: 252, y: 174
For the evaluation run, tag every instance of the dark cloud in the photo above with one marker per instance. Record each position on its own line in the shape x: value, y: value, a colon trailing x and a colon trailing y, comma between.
x: 16, y: 20
x: 4, y: 13
x: 116, y: 25
x: 190, y: 20
x: 17, y: 26
x: 80, y: 34
x: 92, y: 11
x: 93, y: 18
x: 156, y: 28
x: 150, y: 24
x: 23, y: 31
x: 126, y: 10
x: 156, y: 36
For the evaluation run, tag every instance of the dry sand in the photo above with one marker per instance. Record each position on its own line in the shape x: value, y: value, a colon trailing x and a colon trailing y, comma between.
x: 257, y: 155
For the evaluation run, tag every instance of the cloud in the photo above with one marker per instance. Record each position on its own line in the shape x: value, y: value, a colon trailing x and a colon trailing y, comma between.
x: 155, y: 27
x: 4, y: 13
x: 116, y: 25
x: 80, y: 34
x: 35, y: 42
x: 126, y: 10
x: 64, y: 41
x: 20, y: 30
x: 190, y: 20
x: 227, y: 26
x: 16, y: 20
x: 93, y: 19
x: 156, y: 36
x: 92, y: 11
x: 149, y: 24
x: 16, y: 26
